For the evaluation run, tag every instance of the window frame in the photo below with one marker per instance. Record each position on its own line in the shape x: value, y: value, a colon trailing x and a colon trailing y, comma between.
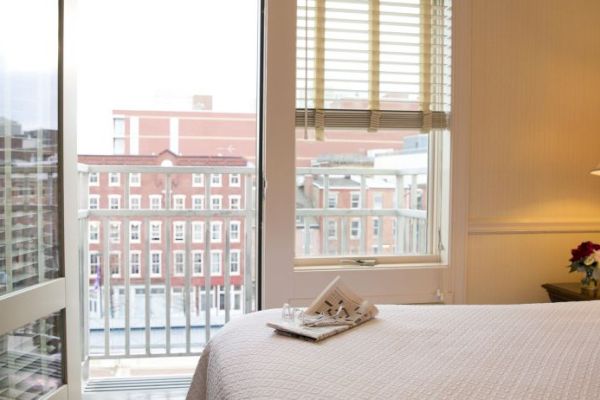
x: 178, y: 225
x: 137, y: 253
x: 116, y: 224
x: 112, y: 197
x: 179, y: 198
x: 218, y: 252
x: 232, y: 183
x: 94, y: 197
x: 200, y: 199
x: 216, y: 180
x: 199, y: 182
x: 152, y: 197
x: 201, y: 253
x: 91, y: 182
x: 137, y: 197
x: 237, y: 239
x: 175, y: 254
x: 158, y: 238
x: 219, y: 239
x: 196, y: 239
x: 139, y: 231
x: 151, y: 263
x: 134, y: 182
x: 117, y: 182
x: 96, y: 224
x: 239, y: 262
x: 218, y: 197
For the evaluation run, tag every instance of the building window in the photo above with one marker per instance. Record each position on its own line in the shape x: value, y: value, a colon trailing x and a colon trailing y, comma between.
x: 135, y: 228
x: 114, y: 201
x: 331, y: 229
x: 198, y: 202
x: 215, y: 202
x: 155, y: 231
x: 94, y: 231
x: 114, y: 179
x: 197, y: 232
x: 179, y: 232
x: 197, y: 262
x: 155, y: 201
x: 216, y: 228
x: 115, y: 231
x: 215, y: 262
x: 355, y: 200
x: 93, y: 179
x: 216, y: 180
x: 378, y: 201
x: 155, y: 263
x: 135, y: 202
x: 234, y: 180
x: 197, y: 180
x: 355, y: 228
x: 234, y: 202
x: 115, y: 264
x: 94, y: 264
x: 375, y: 226
x: 234, y: 231
x: 94, y: 202
x: 234, y: 262
x: 332, y: 200
x: 179, y: 202
x: 134, y: 263
x: 135, y: 179
x: 178, y: 263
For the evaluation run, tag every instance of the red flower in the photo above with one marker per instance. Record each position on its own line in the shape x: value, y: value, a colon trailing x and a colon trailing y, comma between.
x: 583, y: 251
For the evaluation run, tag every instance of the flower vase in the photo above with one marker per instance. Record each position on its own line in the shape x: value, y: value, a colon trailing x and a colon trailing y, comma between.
x: 589, y: 282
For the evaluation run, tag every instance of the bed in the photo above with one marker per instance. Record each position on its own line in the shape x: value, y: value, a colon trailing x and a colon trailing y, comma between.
x: 531, y: 351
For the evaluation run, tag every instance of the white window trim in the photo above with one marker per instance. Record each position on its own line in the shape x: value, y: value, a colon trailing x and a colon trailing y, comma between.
x: 216, y: 197
x: 97, y: 182
x: 335, y: 234
x: 197, y: 197
x: 117, y: 183
x: 239, y: 262
x: 155, y: 223
x: 155, y: 196
x: 220, y: 272
x: 175, y: 225
x: 218, y: 182
x: 239, y: 201
x: 111, y: 197
x: 358, y: 194
x: 132, y: 182
x: 359, y: 230
x: 137, y: 197
x: 110, y: 231
x: 139, y: 224
x: 90, y: 254
x: 220, y: 230
x: 120, y: 264
x: 154, y: 274
x: 201, y: 180
x: 239, y: 233
x: 334, y: 196
x: 139, y: 254
x: 175, y: 253
x: 201, y: 225
x: 176, y: 198
x: 201, y: 252
x: 97, y: 198
x: 97, y: 225
x: 239, y: 180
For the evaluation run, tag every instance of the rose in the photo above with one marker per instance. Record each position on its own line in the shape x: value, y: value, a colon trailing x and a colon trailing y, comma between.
x: 584, y: 251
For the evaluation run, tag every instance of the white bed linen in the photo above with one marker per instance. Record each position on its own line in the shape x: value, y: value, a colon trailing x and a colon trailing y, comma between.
x: 531, y: 351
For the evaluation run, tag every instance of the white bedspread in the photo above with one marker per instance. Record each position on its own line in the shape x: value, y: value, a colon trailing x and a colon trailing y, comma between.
x: 532, y: 351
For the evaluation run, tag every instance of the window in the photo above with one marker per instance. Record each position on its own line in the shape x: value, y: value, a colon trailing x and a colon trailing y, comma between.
x: 197, y: 180
x: 216, y: 228
x: 94, y: 202
x: 234, y: 231
x: 114, y: 201
x: 93, y: 179
x: 378, y: 201
x: 234, y: 202
x: 94, y: 231
x: 331, y: 229
x: 179, y: 232
x: 155, y: 201
x: 197, y: 262
x: 118, y: 136
x: 135, y: 179
x: 94, y: 264
x: 135, y: 202
x: 375, y: 226
x: 234, y: 180
x: 155, y: 263
x: 234, y: 262
x: 215, y: 180
x: 215, y: 202
x: 155, y: 231
x: 134, y: 263
x: 115, y: 264
x: 355, y: 229
x: 135, y: 228
x: 355, y: 200
x: 215, y: 262
x: 179, y: 201
x: 332, y: 200
x: 115, y: 231
x: 197, y: 232
x: 198, y: 202
x: 178, y: 263
x: 114, y: 179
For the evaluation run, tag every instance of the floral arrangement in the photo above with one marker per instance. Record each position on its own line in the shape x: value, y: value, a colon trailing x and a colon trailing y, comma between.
x: 586, y: 258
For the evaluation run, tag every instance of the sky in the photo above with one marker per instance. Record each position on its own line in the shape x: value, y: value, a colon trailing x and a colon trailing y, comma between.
x: 156, y: 54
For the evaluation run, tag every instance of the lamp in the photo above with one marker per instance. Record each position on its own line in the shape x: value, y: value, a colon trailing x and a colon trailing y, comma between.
x: 596, y: 171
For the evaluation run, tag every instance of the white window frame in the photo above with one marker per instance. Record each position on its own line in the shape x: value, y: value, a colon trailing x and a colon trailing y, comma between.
x: 116, y: 224
x: 212, y: 270
x: 357, y: 235
x: 235, y: 198
x: 213, y: 229
x: 151, y: 226
x: 177, y: 253
x: 197, y: 180
x: 112, y: 197
x: 132, y: 199
x: 137, y: 253
x: 96, y: 181
x: 216, y: 180
x: 95, y: 197
x: 110, y: 256
x: 235, y: 180
x: 238, y: 253
x: 331, y: 223
x: 194, y: 253
x: 152, y: 198
x: 117, y: 181
x: 378, y: 195
x: 332, y: 196
x: 198, y: 202
x: 96, y: 225
x: 235, y: 238
x: 197, y: 231
x: 151, y: 262
x: 133, y: 182
x: 358, y: 197
x: 219, y: 202
x: 179, y: 232
x: 98, y: 266
x: 179, y: 201
x: 133, y: 224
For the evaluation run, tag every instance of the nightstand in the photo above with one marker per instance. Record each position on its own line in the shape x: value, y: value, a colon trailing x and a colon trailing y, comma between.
x: 569, y: 292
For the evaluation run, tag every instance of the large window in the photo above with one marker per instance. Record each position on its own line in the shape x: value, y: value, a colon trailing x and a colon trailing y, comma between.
x: 372, y: 97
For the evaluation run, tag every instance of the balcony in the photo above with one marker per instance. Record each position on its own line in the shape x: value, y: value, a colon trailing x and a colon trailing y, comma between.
x: 161, y: 276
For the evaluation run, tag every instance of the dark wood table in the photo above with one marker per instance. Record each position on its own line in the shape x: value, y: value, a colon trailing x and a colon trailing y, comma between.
x: 569, y: 292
